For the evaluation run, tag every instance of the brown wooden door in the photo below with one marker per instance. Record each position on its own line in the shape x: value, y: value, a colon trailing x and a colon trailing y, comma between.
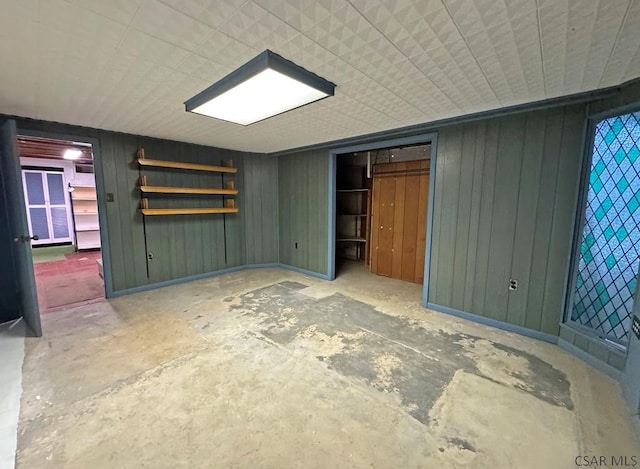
x: 399, y: 219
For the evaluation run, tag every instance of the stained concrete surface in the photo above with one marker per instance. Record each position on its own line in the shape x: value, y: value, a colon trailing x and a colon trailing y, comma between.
x: 269, y: 368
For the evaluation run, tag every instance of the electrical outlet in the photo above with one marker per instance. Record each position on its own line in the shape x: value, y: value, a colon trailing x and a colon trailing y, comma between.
x: 513, y: 285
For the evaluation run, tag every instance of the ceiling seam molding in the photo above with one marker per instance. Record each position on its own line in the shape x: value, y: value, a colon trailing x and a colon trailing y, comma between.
x: 404, y: 55
x: 486, y: 79
x: 544, y: 73
x: 615, y: 43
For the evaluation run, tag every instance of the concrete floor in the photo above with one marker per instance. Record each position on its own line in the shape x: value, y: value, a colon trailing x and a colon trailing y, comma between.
x: 269, y: 368
x: 11, y: 357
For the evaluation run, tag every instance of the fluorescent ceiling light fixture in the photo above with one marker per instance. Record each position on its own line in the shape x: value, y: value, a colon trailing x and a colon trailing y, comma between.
x: 265, y: 86
x: 72, y: 154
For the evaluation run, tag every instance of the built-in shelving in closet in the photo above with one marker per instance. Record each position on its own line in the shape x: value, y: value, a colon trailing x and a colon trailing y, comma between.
x: 85, y: 217
x: 353, y: 200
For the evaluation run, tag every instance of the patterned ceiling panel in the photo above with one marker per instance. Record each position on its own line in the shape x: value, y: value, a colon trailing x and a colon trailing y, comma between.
x: 128, y: 65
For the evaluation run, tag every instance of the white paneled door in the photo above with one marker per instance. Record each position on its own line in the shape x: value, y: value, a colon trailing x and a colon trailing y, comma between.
x: 47, y: 206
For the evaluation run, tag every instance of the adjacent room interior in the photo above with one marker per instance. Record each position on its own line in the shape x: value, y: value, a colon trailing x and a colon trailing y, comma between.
x: 62, y: 212
x: 274, y: 233
x: 382, y: 197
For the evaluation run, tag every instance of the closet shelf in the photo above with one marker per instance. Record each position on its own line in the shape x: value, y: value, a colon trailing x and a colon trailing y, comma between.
x: 179, y: 165
x: 187, y: 190
x: 351, y: 239
x: 353, y: 190
x: 85, y: 215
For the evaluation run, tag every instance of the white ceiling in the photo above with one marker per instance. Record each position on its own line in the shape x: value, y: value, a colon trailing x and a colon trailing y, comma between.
x: 128, y: 65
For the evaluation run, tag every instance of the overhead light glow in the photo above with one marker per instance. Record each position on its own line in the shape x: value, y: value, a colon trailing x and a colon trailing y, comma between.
x: 72, y: 154
x: 266, y: 86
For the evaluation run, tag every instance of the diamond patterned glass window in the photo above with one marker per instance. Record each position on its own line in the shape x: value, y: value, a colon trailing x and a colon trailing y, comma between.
x: 610, y: 249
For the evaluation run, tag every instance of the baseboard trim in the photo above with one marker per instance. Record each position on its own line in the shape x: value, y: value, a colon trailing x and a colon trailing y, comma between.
x: 310, y: 273
x: 590, y: 359
x: 192, y: 278
x: 505, y: 326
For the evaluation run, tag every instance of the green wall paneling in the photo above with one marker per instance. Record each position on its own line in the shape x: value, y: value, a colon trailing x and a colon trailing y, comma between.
x: 261, y: 205
x: 505, y: 198
x: 303, y: 181
x: 188, y: 245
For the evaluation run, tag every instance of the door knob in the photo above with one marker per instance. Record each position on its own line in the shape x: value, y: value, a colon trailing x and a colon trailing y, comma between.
x: 25, y: 238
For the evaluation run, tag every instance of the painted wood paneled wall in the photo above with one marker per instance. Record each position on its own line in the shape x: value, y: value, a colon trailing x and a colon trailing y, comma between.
x: 505, y: 200
x: 261, y: 208
x: 303, y: 181
x: 182, y: 246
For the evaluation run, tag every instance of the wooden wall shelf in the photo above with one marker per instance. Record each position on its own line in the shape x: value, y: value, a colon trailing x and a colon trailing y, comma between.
x: 230, y: 207
x: 229, y: 188
x: 179, y: 165
x: 188, y: 211
x: 187, y: 190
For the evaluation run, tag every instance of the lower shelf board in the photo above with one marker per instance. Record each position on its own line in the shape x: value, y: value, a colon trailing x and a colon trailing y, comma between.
x: 188, y: 211
x: 351, y: 239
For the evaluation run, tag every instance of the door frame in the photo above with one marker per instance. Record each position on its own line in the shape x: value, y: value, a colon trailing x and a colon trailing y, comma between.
x: 425, y: 138
x: 100, y: 192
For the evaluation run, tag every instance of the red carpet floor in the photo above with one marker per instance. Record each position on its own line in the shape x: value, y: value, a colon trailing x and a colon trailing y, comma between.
x: 72, y: 281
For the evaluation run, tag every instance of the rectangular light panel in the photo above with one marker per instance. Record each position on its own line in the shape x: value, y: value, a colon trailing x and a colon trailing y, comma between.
x: 264, y: 87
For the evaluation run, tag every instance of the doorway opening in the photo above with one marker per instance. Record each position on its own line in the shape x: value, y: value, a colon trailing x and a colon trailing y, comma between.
x: 62, y: 214
x: 382, y: 196
x: 609, y: 250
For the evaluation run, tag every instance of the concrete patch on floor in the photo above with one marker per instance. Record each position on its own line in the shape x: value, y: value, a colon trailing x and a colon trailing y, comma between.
x: 394, y: 355
x: 470, y: 431
x: 293, y: 285
x: 145, y: 342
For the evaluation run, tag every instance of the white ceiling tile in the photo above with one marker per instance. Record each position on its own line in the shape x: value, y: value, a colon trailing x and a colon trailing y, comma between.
x: 256, y: 27
x: 121, y: 11
x: 224, y: 50
x: 151, y: 49
x: 315, y: 58
x: 204, y: 69
x: 165, y: 23
x: 300, y: 14
x: 205, y: 11
x: 609, y: 20
x: 624, y: 49
x: 128, y: 65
